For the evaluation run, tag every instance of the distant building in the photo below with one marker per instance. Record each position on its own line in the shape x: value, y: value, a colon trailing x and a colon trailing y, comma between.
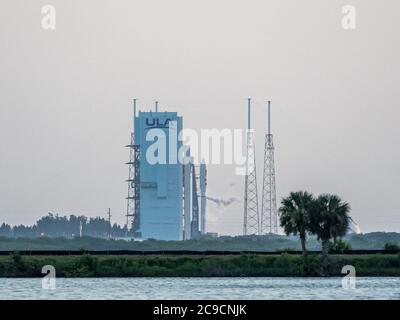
x: 211, y: 235
x: 161, y: 183
x: 166, y: 208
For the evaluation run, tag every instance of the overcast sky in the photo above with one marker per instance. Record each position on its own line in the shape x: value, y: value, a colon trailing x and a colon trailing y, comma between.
x: 65, y: 98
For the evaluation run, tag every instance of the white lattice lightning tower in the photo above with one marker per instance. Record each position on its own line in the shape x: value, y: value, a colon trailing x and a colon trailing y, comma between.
x: 251, y: 214
x: 269, y: 213
x: 133, y: 198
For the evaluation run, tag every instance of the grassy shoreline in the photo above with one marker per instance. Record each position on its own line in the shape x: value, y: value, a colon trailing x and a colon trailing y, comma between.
x: 272, y: 243
x: 244, y: 265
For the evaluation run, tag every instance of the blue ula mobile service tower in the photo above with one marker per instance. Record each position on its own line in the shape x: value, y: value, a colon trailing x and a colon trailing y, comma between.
x: 159, y: 203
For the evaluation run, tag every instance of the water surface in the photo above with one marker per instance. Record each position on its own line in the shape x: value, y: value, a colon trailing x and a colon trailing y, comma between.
x: 201, y: 288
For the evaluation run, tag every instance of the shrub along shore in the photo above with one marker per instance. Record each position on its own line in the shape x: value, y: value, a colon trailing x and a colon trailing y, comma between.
x: 244, y: 265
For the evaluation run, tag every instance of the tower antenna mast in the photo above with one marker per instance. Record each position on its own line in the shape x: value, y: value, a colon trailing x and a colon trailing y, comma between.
x: 251, y: 215
x: 269, y: 212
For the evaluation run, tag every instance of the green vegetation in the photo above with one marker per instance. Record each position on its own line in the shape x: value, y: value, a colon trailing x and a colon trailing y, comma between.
x: 325, y: 216
x: 329, y: 220
x: 271, y: 243
x: 391, y: 246
x: 55, y: 225
x: 294, y: 215
x: 245, y: 265
x: 341, y: 246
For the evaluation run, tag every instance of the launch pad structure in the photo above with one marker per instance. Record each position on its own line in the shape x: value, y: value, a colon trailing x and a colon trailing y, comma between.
x: 251, y: 223
x: 269, y: 213
x: 166, y: 201
x: 255, y: 222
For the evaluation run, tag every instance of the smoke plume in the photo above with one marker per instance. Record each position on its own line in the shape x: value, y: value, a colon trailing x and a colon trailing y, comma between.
x: 222, y: 202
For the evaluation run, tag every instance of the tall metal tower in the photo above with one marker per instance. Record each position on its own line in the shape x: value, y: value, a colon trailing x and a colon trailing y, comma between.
x: 203, y: 196
x: 251, y: 218
x: 269, y: 213
x: 133, y: 198
x: 195, y: 230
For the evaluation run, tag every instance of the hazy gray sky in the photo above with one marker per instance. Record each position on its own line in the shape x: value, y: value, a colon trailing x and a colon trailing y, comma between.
x: 65, y: 107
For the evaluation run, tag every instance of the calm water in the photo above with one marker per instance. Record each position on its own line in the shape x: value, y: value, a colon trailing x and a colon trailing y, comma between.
x: 201, y: 288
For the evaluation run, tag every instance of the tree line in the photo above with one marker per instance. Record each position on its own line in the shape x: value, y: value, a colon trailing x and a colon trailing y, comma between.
x: 54, y: 225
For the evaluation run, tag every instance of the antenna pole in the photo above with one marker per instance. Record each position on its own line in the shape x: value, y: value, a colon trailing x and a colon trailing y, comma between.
x: 249, y: 113
x: 269, y: 117
x: 156, y: 106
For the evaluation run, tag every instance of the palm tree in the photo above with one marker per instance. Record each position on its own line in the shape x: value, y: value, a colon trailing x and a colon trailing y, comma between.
x: 294, y: 215
x: 329, y: 219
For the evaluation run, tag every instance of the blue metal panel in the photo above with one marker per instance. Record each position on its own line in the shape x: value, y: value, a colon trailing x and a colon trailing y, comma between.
x: 161, y: 184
